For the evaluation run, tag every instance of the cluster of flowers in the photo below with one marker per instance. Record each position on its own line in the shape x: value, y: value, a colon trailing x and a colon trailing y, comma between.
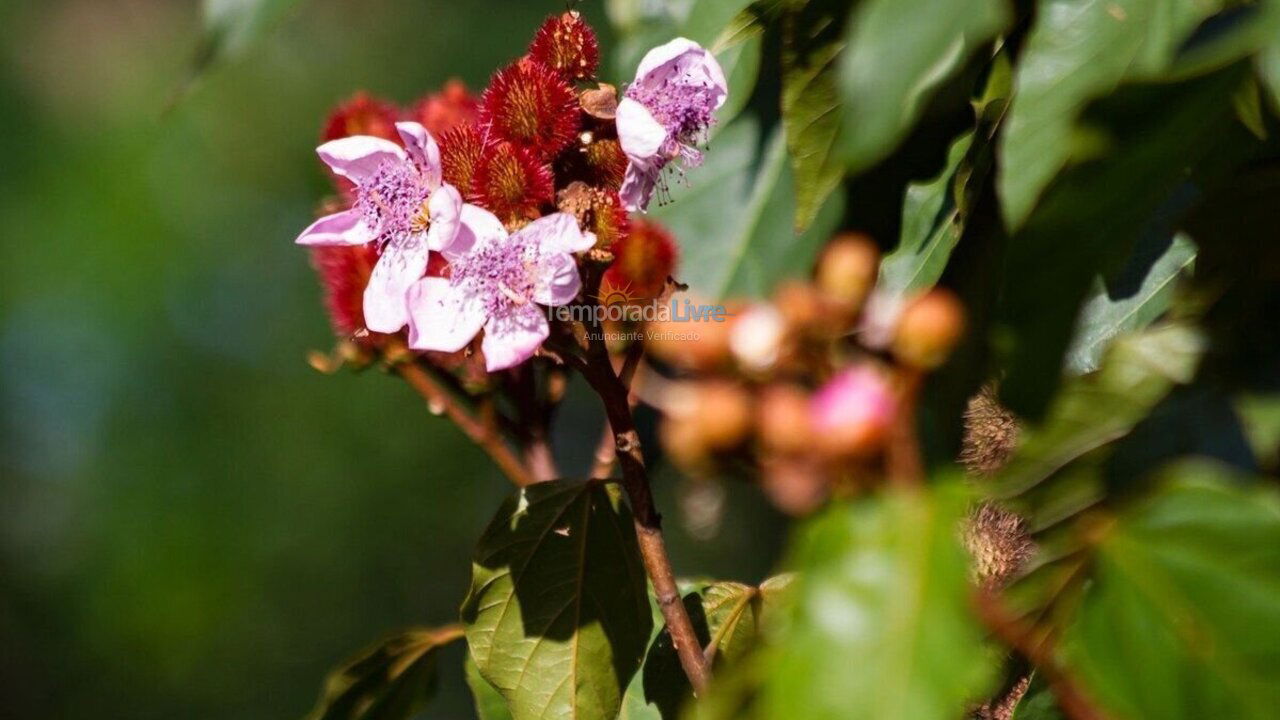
x: 784, y: 387
x: 468, y: 214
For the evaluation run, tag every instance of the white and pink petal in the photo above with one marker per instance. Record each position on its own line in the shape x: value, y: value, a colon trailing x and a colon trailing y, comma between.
x: 513, y: 337
x: 357, y: 158
x: 443, y: 316
x: 345, y: 228
x: 399, y: 267
x: 423, y: 149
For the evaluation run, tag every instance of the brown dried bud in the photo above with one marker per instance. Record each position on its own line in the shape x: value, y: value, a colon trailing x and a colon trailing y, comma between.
x: 999, y: 543
x: 929, y: 328
x: 601, y: 102
x: 990, y: 433
x: 847, y: 269
x: 722, y: 412
x: 782, y: 420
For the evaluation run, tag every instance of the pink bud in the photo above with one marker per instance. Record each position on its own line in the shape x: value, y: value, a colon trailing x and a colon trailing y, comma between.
x: 852, y: 413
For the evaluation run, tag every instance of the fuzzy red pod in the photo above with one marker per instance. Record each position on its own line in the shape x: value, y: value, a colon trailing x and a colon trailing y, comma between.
x: 567, y: 44
x: 450, y: 108
x: 595, y: 161
x: 362, y: 114
x: 344, y: 272
x: 644, y: 259
x: 462, y: 151
x: 530, y: 105
x: 512, y: 183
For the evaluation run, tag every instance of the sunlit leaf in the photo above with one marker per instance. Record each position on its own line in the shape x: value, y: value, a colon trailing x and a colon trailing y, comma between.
x: 557, y: 617
x: 1128, y: 303
x: 490, y: 705
x: 388, y: 681
x: 1182, y: 619
x: 898, y: 53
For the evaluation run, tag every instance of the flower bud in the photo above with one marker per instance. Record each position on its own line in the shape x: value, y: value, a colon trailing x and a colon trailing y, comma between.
x: 782, y: 420
x: 715, y: 415
x: 757, y: 337
x: 847, y: 269
x: 852, y: 413
x: 928, y: 329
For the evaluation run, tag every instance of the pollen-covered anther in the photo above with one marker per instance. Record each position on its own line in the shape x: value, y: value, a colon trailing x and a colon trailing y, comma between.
x: 512, y: 184
x: 567, y: 44
x: 530, y: 105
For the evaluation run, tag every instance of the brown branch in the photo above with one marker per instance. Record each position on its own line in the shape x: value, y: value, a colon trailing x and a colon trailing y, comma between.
x: 606, y: 453
x: 613, y: 392
x: 534, y: 419
x: 1017, y: 635
x: 439, y: 400
x: 904, y: 464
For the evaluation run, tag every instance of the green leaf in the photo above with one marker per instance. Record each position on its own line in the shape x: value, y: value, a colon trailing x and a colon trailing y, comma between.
x: 748, y: 250
x: 1079, y: 50
x: 1038, y: 703
x: 1137, y: 372
x: 880, y: 625
x: 230, y: 28
x: 490, y: 705
x: 1260, y: 414
x: 728, y: 618
x: 557, y: 617
x: 1269, y: 69
x: 1182, y: 619
x: 1163, y: 144
x: 388, y: 681
x: 899, y: 52
x: 931, y: 227
x: 1131, y: 304
x: 811, y: 115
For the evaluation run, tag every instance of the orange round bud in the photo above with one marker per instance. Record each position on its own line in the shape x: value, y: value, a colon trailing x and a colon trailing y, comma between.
x: 928, y: 329
x: 722, y: 411
x: 700, y: 345
x: 782, y: 420
x: 852, y: 413
x: 847, y: 269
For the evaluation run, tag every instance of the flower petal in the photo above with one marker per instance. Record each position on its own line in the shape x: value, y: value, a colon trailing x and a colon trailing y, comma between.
x: 423, y: 149
x: 685, y: 62
x: 442, y: 316
x: 514, y: 337
x: 358, y: 157
x: 477, y: 228
x: 639, y: 133
x: 558, y: 280
x: 558, y: 232
x: 400, y: 265
x: 344, y: 228
x: 637, y: 186
x: 445, y: 206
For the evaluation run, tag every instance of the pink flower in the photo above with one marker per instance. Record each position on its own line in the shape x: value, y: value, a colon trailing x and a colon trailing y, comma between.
x: 401, y: 204
x: 665, y: 113
x: 852, y: 413
x: 497, y: 282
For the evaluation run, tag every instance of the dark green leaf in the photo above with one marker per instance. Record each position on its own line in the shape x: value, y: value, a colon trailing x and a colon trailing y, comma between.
x: 1260, y: 416
x: 748, y: 250
x: 490, y: 705
x: 1038, y: 703
x: 898, y: 53
x: 1137, y: 372
x: 1130, y: 303
x: 1079, y: 50
x: 880, y: 625
x: 1269, y: 68
x: 1154, y: 147
x: 811, y: 115
x: 1183, y: 616
x: 557, y: 617
x: 388, y: 681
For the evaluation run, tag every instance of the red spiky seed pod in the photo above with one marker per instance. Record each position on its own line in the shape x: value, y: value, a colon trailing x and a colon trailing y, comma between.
x: 344, y: 272
x: 567, y: 44
x: 512, y: 183
x: 461, y: 151
x: 443, y: 111
x: 362, y: 114
x: 644, y: 259
x: 593, y: 160
x: 530, y: 105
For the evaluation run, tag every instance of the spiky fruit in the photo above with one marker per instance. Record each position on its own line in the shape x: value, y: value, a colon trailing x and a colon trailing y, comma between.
x: 598, y: 210
x: 530, y: 105
x: 990, y: 433
x: 998, y: 541
x: 594, y: 160
x: 512, y: 183
x: 567, y: 44
x: 344, y: 272
x: 462, y: 150
x: 644, y: 259
x: 452, y: 107
x: 362, y: 114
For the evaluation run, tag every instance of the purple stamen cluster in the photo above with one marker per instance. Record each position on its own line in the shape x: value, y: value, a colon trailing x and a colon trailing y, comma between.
x: 682, y: 104
x: 392, y: 199
x: 503, y: 274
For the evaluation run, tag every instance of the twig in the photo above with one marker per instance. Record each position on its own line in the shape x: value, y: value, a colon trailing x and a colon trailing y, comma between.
x: 906, y: 469
x: 439, y: 400
x: 606, y: 453
x: 1005, y: 626
x: 598, y: 370
x: 534, y: 417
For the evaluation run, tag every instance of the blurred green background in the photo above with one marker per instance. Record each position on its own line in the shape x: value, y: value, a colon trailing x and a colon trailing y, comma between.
x: 193, y: 523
